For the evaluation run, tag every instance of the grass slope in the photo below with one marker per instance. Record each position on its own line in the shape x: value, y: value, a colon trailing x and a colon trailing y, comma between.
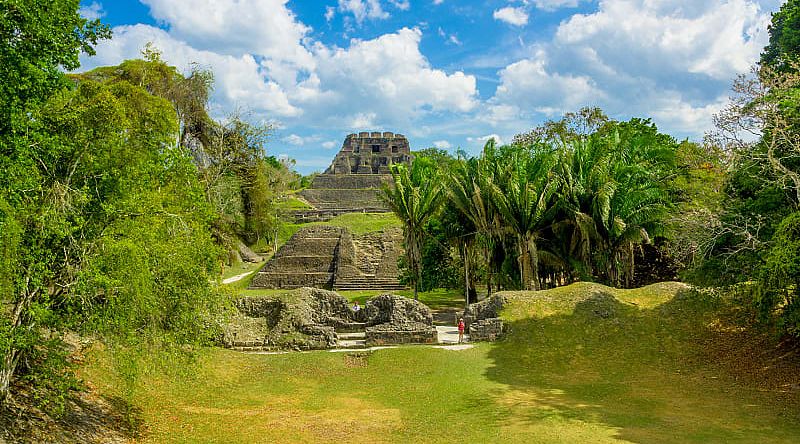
x: 583, y: 363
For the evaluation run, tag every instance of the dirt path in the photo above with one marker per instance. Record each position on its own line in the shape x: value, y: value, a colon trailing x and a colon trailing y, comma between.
x: 238, y: 277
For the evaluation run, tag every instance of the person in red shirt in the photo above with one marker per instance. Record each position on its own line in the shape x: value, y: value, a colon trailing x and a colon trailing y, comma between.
x: 460, y: 330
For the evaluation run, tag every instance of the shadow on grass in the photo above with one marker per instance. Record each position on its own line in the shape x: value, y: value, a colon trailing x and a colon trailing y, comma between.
x: 646, y: 374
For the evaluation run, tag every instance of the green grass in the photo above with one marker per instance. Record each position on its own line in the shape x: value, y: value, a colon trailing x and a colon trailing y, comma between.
x: 582, y: 364
x: 435, y: 299
x: 292, y: 203
x: 362, y: 223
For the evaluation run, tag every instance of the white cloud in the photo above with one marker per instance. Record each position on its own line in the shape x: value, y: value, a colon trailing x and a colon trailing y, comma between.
x: 330, y: 12
x: 403, y: 5
x: 386, y: 80
x: 363, y: 9
x: 264, y: 27
x: 528, y: 85
x: 329, y: 144
x: 442, y: 144
x: 92, y: 11
x: 552, y: 5
x: 294, y: 139
x: 483, y: 139
x: 239, y: 80
x: 644, y: 37
x: 438, y: 2
x: 512, y: 16
x: 669, y: 60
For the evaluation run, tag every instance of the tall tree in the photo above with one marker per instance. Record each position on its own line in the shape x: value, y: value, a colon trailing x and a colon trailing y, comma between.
x: 524, y: 199
x: 414, y: 198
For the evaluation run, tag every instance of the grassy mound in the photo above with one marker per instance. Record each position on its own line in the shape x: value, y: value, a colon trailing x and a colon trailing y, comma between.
x: 583, y: 363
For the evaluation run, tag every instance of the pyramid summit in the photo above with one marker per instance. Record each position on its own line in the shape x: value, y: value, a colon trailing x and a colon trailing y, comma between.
x: 370, y: 153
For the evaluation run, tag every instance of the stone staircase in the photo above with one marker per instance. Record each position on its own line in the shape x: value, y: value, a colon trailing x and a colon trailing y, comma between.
x: 307, y: 260
x: 352, y: 336
x: 368, y: 282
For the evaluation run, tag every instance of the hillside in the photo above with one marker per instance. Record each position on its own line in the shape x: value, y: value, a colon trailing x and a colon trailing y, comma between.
x: 583, y: 363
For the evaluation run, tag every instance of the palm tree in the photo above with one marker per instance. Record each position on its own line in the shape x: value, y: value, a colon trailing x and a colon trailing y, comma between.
x: 469, y: 191
x: 523, y: 197
x: 414, y: 198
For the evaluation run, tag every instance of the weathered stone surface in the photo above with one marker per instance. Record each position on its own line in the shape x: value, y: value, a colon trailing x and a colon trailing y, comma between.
x: 303, y: 319
x: 378, y: 335
x: 486, y: 329
x: 330, y: 257
x: 487, y: 308
x: 395, y: 310
x: 370, y: 153
x: 308, y: 318
x: 482, y: 319
x: 393, y: 319
x: 248, y: 255
x: 354, y: 180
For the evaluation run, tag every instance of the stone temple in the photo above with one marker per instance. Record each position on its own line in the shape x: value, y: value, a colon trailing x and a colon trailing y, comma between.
x: 332, y: 257
x: 352, y: 183
x: 370, y: 153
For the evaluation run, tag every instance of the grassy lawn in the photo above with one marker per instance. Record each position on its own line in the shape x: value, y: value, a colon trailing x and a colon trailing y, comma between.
x: 240, y: 268
x: 435, y: 299
x: 362, y: 223
x: 581, y: 364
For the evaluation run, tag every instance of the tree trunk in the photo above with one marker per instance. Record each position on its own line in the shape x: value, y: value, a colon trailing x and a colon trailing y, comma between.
x: 9, y: 366
x: 528, y: 276
x: 534, y: 258
x: 466, y: 276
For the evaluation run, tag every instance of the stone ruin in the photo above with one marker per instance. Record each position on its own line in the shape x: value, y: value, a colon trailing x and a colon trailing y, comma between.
x: 312, y: 318
x: 482, y: 319
x: 370, y: 153
x: 354, y: 179
x: 333, y: 258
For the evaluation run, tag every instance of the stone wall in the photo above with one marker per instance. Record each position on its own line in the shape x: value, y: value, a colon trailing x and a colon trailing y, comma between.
x: 384, y: 336
x: 306, y: 260
x: 305, y: 319
x: 486, y: 329
x: 482, y: 319
x: 337, y: 199
x: 370, y: 153
x: 330, y: 257
x: 351, y: 181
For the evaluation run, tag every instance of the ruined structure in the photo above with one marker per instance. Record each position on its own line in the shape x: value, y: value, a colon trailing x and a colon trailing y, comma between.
x: 311, y: 318
x: 333, y: 258
x: 370, y: 153
x: 354, y: 179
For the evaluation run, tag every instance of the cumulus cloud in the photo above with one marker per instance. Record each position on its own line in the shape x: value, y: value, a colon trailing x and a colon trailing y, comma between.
x: 363, y: 9
x: 92, y: 11
x: 329, y: 144
x: 483, y: 139
x: 529, y: 85
x: 513, y: 16
x: 264, y: 27
x: 714, y: 38
x: 238, y: 79
x: 387, y: 80
x: 442, y: 144
x: 403, y: 5
x: 552, y: 5
x: 670, y: 60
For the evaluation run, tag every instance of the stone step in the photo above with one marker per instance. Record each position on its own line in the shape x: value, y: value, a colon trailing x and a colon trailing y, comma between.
x: 352, y: 343
x: 350, y: 336
x: 352, y: 327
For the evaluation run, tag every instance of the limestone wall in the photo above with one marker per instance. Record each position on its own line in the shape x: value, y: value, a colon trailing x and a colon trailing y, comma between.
x: 331, y: 199
x: 331, y: 257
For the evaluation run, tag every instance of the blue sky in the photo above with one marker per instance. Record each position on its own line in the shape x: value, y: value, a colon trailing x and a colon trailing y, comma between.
x: 446, y: 73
